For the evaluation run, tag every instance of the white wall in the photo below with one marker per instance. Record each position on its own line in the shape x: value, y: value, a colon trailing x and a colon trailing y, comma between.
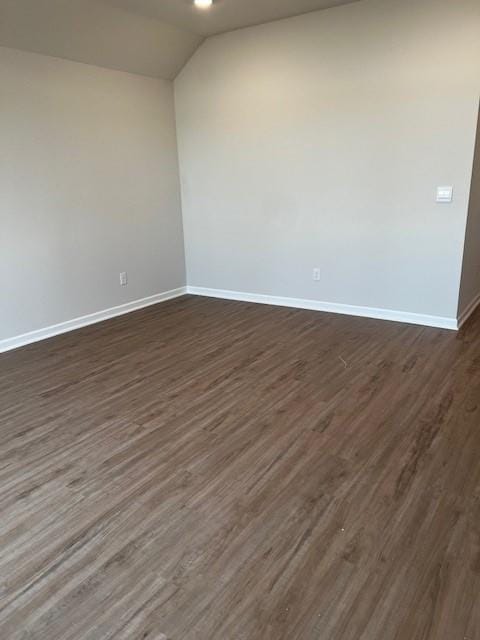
x: 319, y: 141
x: 88, y: 188
x: 470, y: 286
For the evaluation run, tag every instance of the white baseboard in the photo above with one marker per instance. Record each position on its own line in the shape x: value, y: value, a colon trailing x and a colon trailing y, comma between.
x: 70, y: 325
x: 297, y: 303
x: 330, y: 307
x: 465, y: 315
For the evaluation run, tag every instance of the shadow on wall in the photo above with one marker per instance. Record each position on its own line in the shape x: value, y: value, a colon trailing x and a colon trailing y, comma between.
x: 470, y: 283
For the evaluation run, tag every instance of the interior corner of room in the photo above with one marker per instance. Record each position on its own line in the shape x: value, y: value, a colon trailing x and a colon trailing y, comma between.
x: 239, y: 319
x: 299, y: 171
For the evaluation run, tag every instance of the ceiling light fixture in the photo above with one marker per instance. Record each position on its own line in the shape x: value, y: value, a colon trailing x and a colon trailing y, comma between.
x: 203, y: 4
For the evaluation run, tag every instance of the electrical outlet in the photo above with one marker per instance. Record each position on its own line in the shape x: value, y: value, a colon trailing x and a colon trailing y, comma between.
x: 123, y: 279
x: 316, y: 274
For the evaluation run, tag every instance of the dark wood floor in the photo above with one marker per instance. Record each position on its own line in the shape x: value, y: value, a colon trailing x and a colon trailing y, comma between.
x: 210, y: 470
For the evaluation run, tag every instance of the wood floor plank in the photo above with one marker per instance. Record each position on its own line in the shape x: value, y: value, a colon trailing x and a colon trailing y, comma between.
x: 212, y: 470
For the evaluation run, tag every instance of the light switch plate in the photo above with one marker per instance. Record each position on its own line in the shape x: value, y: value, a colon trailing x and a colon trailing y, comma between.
x: 444, y: 194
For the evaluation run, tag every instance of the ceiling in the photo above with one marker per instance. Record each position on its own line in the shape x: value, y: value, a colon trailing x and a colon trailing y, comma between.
x: 225, y: 15
x: 92, y: 32
x: 149, y: 37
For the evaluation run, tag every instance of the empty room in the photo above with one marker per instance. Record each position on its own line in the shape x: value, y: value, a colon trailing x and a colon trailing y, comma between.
x: 239, y: 320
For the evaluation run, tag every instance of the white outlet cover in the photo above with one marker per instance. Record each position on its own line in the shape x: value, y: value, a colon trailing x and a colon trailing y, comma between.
x: 444, y: 194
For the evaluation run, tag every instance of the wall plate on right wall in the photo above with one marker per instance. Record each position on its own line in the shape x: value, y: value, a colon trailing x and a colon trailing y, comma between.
x: 445, y: 194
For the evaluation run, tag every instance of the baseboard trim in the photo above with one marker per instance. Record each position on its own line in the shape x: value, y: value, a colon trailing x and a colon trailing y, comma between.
x: 77, y: 323
x: 465, y: 315
x: 438, y: 322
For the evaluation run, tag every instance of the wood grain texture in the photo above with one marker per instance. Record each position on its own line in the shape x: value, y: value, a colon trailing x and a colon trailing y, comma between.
x: 211, y: 470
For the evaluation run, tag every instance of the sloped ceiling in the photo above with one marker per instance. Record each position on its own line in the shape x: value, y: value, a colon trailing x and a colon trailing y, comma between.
x: 149, y: 37
x: 95, y: 33
x: 225, y: 15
